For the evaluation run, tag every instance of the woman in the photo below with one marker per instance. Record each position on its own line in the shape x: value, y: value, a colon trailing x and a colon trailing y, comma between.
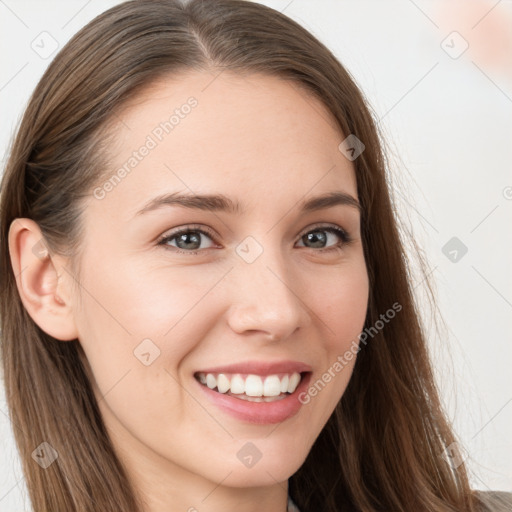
x: 205, y: 302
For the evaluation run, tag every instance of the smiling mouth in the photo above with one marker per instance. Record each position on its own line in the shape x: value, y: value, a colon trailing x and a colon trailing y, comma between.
x: 252, y: 387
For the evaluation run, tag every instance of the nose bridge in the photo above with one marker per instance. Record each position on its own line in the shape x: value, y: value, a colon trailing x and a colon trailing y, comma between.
x: 264, y: 298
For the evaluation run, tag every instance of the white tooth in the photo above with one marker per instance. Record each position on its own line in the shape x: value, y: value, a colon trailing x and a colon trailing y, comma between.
x: 284, y: 384
x: 253, y: 385
x: 202, y: 378
x: 272, y: 386
x: 237, y: 385
x: 211, y: 381
x: 294, y: 382
x: 222, y: 383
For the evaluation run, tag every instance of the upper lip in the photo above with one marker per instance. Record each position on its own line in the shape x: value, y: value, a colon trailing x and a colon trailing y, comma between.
x: 260, y: 367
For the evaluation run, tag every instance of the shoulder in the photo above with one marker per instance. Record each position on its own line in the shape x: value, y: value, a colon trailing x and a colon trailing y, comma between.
x: 291, y: 506
x: 495, y: 501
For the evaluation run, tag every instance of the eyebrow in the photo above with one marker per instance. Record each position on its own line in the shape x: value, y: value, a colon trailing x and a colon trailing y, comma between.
x: 220, y: 202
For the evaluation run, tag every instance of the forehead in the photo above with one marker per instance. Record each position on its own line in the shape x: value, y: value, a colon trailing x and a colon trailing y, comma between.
x: 241, y: 135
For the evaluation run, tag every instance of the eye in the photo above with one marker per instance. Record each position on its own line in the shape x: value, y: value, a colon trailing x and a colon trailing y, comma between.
x: 319, y: 239
x: 188, y: 240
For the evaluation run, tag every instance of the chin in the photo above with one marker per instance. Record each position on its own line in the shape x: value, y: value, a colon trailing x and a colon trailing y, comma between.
x: 275, y: 465
x: 262, y: 475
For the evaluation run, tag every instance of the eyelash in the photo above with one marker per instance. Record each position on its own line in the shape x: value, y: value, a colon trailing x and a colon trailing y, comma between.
x: 345, y: 238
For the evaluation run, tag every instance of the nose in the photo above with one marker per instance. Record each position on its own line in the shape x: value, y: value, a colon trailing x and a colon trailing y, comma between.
x: 267, y: 299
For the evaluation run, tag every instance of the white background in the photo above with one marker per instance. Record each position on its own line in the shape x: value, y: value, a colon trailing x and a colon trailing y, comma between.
x: 448, y: 123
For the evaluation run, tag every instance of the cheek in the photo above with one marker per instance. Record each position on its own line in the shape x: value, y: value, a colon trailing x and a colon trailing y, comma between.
x: 341, y: 306
x: 342, y: 303
x: 135, y: 331
x: 129, y: 304
x: 136, y: 327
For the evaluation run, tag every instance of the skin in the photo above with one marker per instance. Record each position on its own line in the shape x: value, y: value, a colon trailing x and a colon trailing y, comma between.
x: 270, y: 145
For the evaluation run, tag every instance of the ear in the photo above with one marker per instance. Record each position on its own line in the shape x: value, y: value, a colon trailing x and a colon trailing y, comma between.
x: 45, y: 294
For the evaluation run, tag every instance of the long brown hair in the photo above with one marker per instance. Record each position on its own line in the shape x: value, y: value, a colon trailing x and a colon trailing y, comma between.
x: 382, y: 447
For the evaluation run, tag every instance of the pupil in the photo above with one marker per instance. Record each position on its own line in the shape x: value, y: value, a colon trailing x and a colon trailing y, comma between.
x: 317, y: 237
x: 185, y: 236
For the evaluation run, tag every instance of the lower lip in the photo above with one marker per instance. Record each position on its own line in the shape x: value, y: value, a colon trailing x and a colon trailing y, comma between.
x: 259, y: 412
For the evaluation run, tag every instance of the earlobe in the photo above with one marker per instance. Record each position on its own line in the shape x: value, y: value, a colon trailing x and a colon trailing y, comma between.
x: 45, y: 296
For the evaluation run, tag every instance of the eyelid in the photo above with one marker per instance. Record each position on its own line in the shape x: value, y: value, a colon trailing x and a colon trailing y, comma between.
x: 185, y: 229
x: 323, y: 225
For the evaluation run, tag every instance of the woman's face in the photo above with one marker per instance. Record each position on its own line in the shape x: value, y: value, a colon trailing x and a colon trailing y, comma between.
x: 257, y: 294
